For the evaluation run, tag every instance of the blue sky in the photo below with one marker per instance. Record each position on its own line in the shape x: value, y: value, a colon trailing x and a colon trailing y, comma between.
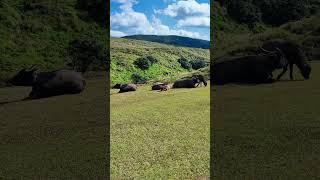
x: 189, y: 18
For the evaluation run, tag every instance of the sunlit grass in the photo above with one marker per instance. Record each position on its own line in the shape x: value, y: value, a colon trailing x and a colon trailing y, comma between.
x: 160, y: 135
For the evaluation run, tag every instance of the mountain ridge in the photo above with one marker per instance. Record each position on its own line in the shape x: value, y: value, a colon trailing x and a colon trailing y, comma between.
x: 172, y: 40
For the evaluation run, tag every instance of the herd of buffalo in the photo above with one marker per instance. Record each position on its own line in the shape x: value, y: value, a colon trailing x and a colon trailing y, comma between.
x: 187, y: 82
x: 253, y: 68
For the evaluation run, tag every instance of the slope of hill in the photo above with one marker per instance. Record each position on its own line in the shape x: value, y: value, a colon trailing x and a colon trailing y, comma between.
x: 40, y: 31
x: 230, y: 36
x: 173, y: 40
x: 124, y: 52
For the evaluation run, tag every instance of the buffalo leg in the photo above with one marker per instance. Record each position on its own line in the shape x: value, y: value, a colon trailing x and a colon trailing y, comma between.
x: 282, y: 73
x: 32, y: 95
x: 291, y: 71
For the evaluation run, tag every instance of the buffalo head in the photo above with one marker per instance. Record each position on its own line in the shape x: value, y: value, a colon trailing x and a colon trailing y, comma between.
x: 305, y: 71
x: 24, y: 77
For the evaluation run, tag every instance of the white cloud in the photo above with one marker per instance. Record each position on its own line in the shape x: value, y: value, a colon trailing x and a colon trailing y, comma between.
x: 117, y: 33
x: 132, y: 20
x: 160, y: 29
x: 188, y: 13
x: 129, y: 22
x: 194, y: 21
x: 181, y: 9
x: 126, y: 4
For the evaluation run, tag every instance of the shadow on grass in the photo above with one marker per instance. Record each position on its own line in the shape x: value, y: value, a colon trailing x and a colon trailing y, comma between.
x: 257, y: 84
x: 15, y: 101
x: 288, y: 80
x: 26, y: 99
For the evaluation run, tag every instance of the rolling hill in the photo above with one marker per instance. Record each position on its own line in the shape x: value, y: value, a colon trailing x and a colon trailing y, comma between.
x: 173, y: 40
x: 124, y: 52
x: 231, y: 37
x: 40, y: 32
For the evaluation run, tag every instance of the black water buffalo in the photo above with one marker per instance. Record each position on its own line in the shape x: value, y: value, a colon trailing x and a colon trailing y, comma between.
x: 248, y: 69
x: 161, y: 86
x: 192, y: 82
x: 200, y: 78
x: 293, y: 53
x: 127, y: 88
x: 116, y: 86
x: 46, y: 84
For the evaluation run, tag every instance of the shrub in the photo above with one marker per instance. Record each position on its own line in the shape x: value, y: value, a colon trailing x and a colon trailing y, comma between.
x: 277, y: 12
x: 145, y: 62
x: 184, y: 63
x: 138, y: 79
x: 40, y: 6
x: 197, y: 64
x: 84, y: 52
x: 152, y: 59
x: 244, y: 12
x: 97, y: 9
x: 142, y: 63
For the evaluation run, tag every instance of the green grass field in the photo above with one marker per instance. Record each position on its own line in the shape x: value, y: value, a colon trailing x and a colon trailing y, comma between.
x: 61, y: 137
x: 269, y: 131
x: 160, y: 135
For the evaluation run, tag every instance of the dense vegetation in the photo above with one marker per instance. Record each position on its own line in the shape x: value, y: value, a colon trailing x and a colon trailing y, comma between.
x: 43, y: 32
x: 143, y: 61
x: 173, y: 40
x: 232, y: 36
x: 274, y: 12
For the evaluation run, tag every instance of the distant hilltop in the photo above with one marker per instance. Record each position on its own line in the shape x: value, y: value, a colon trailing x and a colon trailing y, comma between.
x: 173, y: 40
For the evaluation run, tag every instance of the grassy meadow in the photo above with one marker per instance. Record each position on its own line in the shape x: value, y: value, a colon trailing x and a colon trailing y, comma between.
x: 160, y: 135
x: 62, y: 137
x: 269, y: 131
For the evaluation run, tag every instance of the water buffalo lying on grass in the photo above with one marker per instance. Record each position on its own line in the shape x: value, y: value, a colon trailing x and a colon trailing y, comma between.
x: 161, y: 86
x: 127, y: 88
x: 116, y: 86
x: 200, y: 78
x: 293, y: 53
x: 46, y: 84
x: 192, y: 82
x: 248, y: 69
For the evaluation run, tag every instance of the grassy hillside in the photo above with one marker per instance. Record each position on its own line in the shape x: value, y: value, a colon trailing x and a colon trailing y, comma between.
x: 40, y: 32
x: 173, y: 40
x: 160, y: 135
x: 231, y: 36
x: 124, y: 52
x: 304, y: 32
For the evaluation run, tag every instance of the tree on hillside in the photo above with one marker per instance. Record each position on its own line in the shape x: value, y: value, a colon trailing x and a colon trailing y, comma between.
x: 198, y: 63
x: 277, y: 12
x: 84, y: 52
x: 145, y: 62
x: 97, y: 9
x: 244, y: 12
x: 274, y: 12
x: 184, y: 63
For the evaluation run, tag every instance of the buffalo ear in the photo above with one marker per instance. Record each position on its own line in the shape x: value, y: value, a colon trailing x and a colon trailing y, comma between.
x: 34, y: 70
x: 22, y: 70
